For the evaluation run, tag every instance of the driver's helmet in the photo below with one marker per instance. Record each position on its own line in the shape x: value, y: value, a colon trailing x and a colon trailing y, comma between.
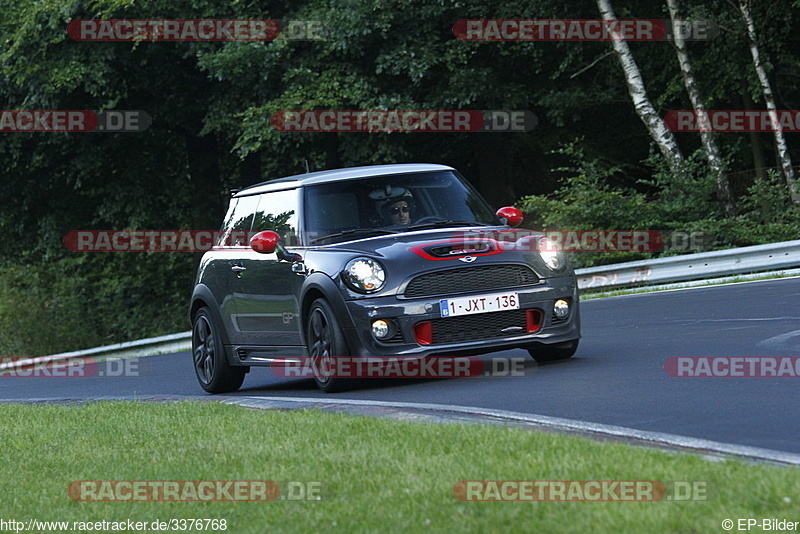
x: 389, y: 203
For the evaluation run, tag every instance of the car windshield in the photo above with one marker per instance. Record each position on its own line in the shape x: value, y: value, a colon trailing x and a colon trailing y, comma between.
x: 345, y: 210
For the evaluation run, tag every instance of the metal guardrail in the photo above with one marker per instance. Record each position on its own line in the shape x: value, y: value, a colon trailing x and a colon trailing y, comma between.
x: 718, y: 263
x: 759, y: 258
x: 131, y: 349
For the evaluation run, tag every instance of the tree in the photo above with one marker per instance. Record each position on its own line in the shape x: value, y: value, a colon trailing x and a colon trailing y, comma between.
x: 780, y: 141
x: 663, y: 137
x: 715, y: 161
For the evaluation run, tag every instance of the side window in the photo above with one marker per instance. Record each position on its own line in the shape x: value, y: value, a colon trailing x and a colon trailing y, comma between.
x: 227, y: 224
x: 238, y: 221
x: 330, y: 208
x: 278, y: 212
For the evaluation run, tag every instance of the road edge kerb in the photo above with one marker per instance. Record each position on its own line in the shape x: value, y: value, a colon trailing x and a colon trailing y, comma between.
x: 632, y: 436
x: 686, y: 443
x: 178, y: 342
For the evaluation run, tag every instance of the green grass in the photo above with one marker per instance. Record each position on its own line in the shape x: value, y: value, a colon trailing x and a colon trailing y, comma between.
x: 379, y: 475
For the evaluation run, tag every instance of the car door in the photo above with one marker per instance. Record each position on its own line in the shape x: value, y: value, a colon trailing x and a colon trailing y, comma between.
x: 266, y: 289
x: 221, y: 266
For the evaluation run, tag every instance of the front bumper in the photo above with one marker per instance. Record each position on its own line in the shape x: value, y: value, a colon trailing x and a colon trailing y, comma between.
x: 407, y: 313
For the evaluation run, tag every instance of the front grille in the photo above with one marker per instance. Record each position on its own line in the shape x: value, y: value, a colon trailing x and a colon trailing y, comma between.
x: 470, y: 280
x: 396, y: 338
x: 481, y: 326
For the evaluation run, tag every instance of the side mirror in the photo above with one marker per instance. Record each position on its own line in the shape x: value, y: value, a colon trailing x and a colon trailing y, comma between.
x: 267, y: 242
x: 512, y: 215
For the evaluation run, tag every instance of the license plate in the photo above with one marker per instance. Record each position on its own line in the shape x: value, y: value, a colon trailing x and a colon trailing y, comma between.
x: 479, y: 304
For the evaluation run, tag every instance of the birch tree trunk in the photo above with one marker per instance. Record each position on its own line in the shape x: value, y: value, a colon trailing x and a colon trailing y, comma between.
x: 710, y: 147
x: 769, y: 99
x: 664, y: 138
x: 756, y: 144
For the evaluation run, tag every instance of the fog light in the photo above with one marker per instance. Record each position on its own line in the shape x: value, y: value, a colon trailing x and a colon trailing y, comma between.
x: 382, y: 329
x: 561, y: 308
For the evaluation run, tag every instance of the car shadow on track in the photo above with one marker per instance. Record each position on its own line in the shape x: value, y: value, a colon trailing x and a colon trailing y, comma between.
x: 523, y: 368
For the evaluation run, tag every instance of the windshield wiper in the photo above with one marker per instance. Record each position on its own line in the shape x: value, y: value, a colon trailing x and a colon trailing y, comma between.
x: 355, y: 231
x: 445, y: 222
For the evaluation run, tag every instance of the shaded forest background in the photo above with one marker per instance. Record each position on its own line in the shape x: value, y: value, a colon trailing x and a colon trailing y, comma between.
x: 589, y: 163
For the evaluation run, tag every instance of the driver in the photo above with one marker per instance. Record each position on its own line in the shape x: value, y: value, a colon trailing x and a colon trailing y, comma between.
x: 394, y: 204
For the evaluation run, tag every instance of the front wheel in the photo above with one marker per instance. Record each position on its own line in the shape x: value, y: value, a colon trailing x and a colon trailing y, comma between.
x: 211, y: 366
x: 325, y: 345
x: 552, y: 353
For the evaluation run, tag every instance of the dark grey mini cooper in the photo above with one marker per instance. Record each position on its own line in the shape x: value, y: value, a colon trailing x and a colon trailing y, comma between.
x: 374, y: 262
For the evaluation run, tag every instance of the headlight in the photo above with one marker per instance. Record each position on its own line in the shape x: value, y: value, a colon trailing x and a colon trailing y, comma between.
x: 364, y: 275
x: 550, y: 254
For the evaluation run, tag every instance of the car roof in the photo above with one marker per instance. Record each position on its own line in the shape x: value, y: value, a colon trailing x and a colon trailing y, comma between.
x: 336, y: 175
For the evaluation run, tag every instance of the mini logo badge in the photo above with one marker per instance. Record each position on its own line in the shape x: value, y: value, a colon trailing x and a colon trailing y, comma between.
x: 467, y: 259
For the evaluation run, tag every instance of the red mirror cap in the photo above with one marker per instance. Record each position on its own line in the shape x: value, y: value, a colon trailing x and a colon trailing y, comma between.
x: 265, y: 242
x: 512, y: 215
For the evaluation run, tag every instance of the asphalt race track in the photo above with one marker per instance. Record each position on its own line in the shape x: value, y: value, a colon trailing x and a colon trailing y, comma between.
x: 617, y: 377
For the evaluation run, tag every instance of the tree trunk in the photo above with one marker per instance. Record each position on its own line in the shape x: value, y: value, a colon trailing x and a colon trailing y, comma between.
x: 780, y: 141
x: 495, y: 170
x: 208, y: 203
x: 715, y: 161
x: 250, y: 170
x: 664, y: 138
x: 333, y: 159
x: 756, y: 146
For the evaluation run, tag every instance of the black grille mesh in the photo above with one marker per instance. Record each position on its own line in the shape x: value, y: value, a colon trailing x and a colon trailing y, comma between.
x: 470, y: 280
x: 477, y: 327
x: 396, y: 338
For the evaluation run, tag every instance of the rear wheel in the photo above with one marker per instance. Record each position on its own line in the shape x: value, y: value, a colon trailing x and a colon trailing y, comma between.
x: 325, y: 344
x: 211, y: 365
x: 552, y: 353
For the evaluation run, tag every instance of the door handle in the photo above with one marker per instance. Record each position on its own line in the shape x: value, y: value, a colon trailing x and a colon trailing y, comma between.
x: 238, y: 268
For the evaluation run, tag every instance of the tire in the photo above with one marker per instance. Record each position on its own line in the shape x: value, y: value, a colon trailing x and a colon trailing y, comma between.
x: 552, y: 353
x: 211, y: 365
x: 325, y: 342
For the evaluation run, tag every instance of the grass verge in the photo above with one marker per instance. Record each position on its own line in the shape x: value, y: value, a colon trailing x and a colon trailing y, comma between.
x: 378, y: 475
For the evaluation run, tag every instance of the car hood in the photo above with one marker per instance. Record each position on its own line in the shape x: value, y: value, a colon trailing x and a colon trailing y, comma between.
x: 406, y: 255
x: 465, y: 235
